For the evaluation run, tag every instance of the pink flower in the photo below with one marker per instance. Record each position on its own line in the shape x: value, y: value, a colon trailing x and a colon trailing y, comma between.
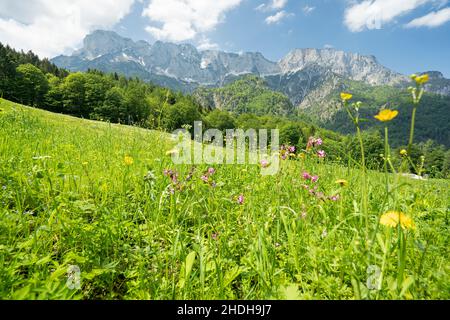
x: 214, y: 236
x: 321, y: 154
x: 318, y: 142
x: 306, y: 175
x: 292, y: 149
x: 240, y: 199
x: 334, y: 198
x: 264, y: 163
x: 204, y: 178
x: 211, y: 170
x: 314, y: 179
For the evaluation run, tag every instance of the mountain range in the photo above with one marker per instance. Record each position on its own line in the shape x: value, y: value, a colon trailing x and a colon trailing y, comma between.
x: 310, y: 78
x: 183, y: 67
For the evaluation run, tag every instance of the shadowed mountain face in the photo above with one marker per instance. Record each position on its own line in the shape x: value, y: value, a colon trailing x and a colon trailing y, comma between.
x: 299, y: 74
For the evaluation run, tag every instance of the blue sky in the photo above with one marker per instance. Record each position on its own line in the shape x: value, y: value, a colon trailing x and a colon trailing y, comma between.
x: 405, y: 35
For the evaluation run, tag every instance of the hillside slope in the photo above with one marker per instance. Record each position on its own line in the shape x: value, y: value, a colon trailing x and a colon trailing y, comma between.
x: 99, y: 202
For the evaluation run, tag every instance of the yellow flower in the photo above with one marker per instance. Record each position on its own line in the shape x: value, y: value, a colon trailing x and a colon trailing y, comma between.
x: 422, y: 79
x: 342, y: 182
x: 392, y: 218
x: 128, y: 160
x: 403, y: 152
x: 346, y: 96
x: 171, y: 152
x: 386, y: 115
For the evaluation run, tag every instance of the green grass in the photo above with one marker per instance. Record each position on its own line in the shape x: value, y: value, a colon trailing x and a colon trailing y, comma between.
x: 68, y: 198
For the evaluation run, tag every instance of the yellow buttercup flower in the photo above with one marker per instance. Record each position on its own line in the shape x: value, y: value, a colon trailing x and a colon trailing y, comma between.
x: 422, y: 79
x: 342, y: 182
x: 386, y: 115
x: 391, y: 219
x: 128, y: 160
x: 346, y: 96
x: 403, y: 152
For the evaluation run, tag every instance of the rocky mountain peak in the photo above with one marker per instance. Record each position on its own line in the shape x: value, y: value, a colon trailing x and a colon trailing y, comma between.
x: 102, y: 42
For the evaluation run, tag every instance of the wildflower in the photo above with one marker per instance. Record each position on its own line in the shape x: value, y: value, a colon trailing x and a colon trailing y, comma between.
x: 173, y: 175
x: 264, y: 163
x: 334, y: 198
x: 190, y: 174
x: 310, y: 143
x: 149, y: 177
x: 302, y: 156
x: 421, y: 79
x: 172, y: 152
x: 241, y: 199
x: 403, y: 153
x: 291, y: 149
x: 321, y: 154
x: 393, y: 218
x: 346, y: 96
x: 386, y: 115
x: 204, y: 178
x: 211, y: 170
x: 215, y: 236
x: 128, y: 160
x: 303, y: 215
x: 342, y: 182
x: 306, y: 175
x: 318, y: 142
x: 314, y: 179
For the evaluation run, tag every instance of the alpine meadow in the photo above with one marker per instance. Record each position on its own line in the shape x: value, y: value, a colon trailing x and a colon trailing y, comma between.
x: 95, y: 206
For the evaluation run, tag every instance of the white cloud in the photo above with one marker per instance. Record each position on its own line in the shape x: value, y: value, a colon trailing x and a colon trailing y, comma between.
x: 431, y: 20
x: 307, y: 9
x: 181, y: 20
x: 52, y: 27
x: 373, y: 14
x: 328, y: 46
x: 271, y: 6
x: 277, y: 17
x: 206, y: 44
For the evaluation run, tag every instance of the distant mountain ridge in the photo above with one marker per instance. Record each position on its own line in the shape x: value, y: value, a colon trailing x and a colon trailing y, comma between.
x: 299, y: 74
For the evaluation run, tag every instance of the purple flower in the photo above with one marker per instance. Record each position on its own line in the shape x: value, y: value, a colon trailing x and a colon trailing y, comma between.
x: 292, y: 149
x: 314, y: 179
x: 306, y: 175
x: 321, y: 154
x: 211, y: 170
x: 240, y: 199
x: 204, y: 178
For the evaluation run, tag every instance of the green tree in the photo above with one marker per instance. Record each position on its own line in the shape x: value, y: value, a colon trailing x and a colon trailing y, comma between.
x: 113, y: 108
x: 180, y: 114
x: 54, y: 97
x: 221, y: 120
x: 73, y: 94
x: 31, y: 85
x: 292, y: 133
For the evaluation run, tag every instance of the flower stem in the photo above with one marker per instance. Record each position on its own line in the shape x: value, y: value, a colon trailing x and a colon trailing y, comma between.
x: 411, y: 133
